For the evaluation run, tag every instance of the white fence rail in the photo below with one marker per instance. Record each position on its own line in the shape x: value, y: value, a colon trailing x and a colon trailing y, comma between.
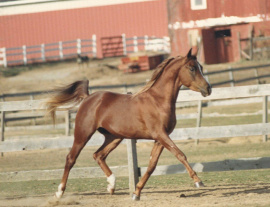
x: 178, y: 134
x: 46, y: 52
x: 149, y: 43
x: 61, y: 50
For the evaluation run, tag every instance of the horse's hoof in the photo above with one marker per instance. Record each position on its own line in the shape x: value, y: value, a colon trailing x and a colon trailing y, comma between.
x: 58, y: 194
x: 199, y: 184
x: 135, y: 197
x: 110, y: 190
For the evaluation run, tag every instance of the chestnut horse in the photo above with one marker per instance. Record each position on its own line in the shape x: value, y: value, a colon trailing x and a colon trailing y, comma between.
x: 148, y: 114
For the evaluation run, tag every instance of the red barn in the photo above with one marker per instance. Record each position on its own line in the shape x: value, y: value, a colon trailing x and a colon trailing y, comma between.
x: 215, y: 24
x: 45, y: 21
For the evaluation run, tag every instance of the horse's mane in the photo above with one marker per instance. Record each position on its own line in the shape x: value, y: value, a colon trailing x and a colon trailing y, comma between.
x: 156, y: 74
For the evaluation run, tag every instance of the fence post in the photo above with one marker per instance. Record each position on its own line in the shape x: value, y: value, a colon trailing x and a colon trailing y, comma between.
x: 199, y: 118
x: 79, y: 46
x: 146, y: 42
x: 251, y: 47
x: 265, y: 115
x: 43, y: 52
x: 4, y: 56
x: 124, y: 44
x: 94, y: 45
x: 256, y: 75
x: 239, y: 45
x: 2, y: 133
x: 133, y: 170
x: 34, y: 119
x: 132, y: 164
x: 61, y: 55
x: 231, y: 77
x: 24, y: 55
x: 135, y: 43
x: 67, y: 123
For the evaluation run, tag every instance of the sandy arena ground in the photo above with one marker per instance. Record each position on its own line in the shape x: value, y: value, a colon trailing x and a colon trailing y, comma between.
x: 230, y: 195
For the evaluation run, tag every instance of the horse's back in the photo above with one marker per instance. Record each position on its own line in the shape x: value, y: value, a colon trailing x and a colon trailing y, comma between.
x: 104, y: 102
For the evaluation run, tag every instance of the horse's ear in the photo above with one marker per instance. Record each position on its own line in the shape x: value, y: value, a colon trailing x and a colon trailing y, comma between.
x: 189, y: 55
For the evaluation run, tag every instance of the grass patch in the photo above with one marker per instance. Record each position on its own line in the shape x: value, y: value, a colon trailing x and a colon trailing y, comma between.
x: 206, y: 151
x: 35, y: 188
x: 9, y: 72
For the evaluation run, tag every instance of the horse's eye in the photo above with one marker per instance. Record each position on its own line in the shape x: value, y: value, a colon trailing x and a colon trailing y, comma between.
x: 192, y: 69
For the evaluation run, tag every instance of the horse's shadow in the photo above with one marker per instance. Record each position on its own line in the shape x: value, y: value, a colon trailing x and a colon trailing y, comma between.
x: 233, y: 190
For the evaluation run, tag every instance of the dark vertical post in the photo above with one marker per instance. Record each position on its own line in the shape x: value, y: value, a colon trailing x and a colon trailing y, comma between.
x: 67, y: 122
x: 265, y: 115
x: 2, y: 133
x: 239, y: 45
x: 199, y: 118
x: 132, y: 164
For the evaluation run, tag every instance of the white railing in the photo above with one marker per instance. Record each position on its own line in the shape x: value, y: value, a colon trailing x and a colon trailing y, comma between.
x: 47, y: 52
x: 61, y: 50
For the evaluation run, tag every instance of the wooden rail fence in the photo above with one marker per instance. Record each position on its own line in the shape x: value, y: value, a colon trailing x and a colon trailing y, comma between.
x: 253, y: 46
x: 110, y: 47
x: 126, y: 87
x: 198, y: 132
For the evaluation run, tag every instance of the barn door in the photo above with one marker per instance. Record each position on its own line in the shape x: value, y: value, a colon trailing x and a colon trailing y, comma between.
x: 209, y: 46
x: 224, y: 49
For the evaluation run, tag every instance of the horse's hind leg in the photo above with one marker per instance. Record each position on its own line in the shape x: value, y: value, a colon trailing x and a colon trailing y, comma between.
x: 156, y: 152
x: 100, y: 156
x: 169, y: 144
x: 78, y: 145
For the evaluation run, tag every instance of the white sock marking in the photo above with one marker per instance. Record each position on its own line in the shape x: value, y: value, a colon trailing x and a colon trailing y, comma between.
x: 59, y: 193
x: 111, y: 181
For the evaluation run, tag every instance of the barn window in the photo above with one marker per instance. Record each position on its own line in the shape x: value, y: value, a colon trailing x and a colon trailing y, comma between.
x: 198, y: 4
x: 223, y: 33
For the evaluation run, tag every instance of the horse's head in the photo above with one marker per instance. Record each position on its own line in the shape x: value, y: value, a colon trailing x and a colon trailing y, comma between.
x: 191, y: 75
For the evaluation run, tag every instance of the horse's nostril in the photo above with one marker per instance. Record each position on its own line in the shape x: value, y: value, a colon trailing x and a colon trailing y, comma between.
x: 209, y: 89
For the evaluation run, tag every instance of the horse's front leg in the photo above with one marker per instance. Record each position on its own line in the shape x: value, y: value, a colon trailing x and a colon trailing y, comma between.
x: 100, y: 156
x: 156, y: 152
x: 169, y: 144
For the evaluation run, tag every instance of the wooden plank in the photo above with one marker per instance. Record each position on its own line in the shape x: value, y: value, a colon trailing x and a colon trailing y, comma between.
x: 93, y: 172
x: 21, y: 105
x: 46, y: 143
x: 226, y: 165
x: 226, y: 93
x: 221, y: 131
x: 37, y: 127
x: 177, y: 134
x: 25, y: 105
x: 184, y: 95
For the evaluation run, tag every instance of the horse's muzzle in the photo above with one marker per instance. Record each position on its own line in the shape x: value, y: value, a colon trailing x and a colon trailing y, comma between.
x: 206, y: 91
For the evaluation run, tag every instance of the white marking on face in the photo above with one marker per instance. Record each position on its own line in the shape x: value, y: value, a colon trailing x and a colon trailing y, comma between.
x: 200, y: 69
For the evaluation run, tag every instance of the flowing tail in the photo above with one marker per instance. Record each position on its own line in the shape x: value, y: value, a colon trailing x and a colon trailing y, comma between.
x: 70, y: 94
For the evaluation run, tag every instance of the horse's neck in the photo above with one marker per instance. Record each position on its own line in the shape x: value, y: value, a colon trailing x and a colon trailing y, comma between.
x: 166, y: 88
